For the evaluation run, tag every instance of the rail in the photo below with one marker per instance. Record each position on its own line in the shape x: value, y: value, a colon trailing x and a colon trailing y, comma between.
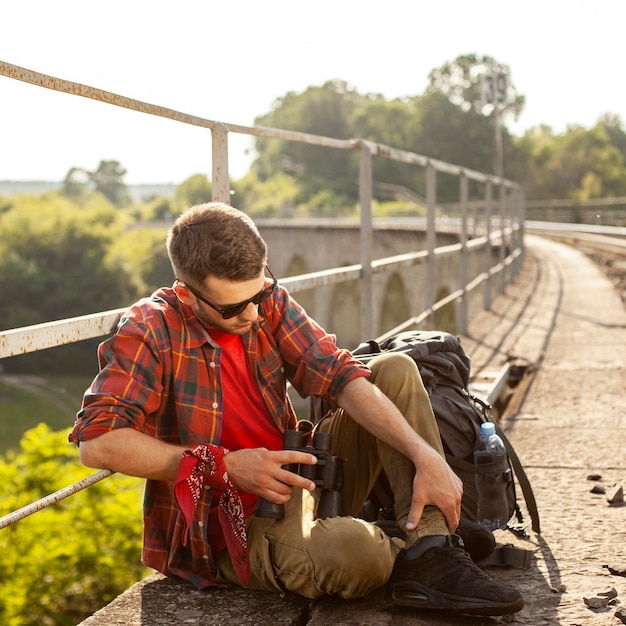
x: 496, y: 229
x: 609, y: 238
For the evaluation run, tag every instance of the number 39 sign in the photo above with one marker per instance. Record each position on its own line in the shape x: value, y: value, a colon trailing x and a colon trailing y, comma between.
x: 494, y: 88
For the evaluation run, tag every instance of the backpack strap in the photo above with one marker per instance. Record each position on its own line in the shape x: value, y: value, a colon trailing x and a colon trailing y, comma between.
x: 510, y: 556
x: 524, y: 483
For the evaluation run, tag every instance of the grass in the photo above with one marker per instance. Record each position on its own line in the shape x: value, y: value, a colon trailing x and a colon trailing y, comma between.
x: 54, y: 402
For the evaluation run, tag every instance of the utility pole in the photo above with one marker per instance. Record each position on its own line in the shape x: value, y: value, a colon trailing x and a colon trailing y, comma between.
x: 494, y: 91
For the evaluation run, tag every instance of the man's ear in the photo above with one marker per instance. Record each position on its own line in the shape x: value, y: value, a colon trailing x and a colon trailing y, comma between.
x: 183, y: 293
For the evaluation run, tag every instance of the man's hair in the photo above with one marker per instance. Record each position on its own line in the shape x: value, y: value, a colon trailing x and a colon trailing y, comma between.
x: 214, y: 239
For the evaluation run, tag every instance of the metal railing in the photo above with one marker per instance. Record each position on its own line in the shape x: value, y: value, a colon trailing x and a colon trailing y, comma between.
x: 496, y: 228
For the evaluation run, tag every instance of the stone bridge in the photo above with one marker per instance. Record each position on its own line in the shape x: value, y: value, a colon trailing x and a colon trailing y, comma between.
x: 301, y: 247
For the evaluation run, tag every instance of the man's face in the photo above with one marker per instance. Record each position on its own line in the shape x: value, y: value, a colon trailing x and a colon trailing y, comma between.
x: 223, y: 293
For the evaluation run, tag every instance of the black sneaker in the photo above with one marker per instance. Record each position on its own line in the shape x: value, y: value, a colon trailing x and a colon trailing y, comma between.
x: 446, y: 578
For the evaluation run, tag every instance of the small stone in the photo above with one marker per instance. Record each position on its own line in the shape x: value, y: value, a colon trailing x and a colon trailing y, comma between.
x: 597, y: 489
x: 608, y: 592
x: 596, y: 603
x: 615, y: 494
x: 621, y: 615
x: 594, y: 477
x: 617, y: 569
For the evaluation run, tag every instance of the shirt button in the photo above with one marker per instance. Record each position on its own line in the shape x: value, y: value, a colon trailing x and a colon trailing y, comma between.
x: 205, y: 557
x: 201, y: 524
x: 215, y: 405
x: 212, y: 364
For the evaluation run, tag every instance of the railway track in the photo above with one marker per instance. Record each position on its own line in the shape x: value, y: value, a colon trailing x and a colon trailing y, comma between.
x: 605, y: 245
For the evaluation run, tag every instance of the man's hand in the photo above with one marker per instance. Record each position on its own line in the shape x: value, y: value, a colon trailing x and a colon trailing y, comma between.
x: 435, y: 483
x: 260, y: 471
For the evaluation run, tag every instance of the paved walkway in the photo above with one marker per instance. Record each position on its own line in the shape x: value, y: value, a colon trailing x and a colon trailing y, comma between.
x: 567, y: 324
x: 564, y: 323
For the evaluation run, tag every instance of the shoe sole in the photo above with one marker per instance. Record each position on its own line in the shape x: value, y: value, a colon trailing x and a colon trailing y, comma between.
x: 418, y: 597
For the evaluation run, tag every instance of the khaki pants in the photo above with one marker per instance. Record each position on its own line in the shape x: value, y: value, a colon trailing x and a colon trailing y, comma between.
x: 344, y: 555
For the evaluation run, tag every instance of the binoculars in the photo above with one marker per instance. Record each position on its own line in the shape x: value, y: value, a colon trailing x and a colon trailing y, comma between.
x: 327, y: 474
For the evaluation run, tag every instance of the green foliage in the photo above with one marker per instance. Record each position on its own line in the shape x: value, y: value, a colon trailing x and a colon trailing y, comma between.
x: 158, y: 208
x: 398, y: 208
x: 275, y: 197
x: 60, y: 565
x: 75, y: 185
x: 107, y: 179
x: 437, y: 124
x: 325, y: 203
x: 448, y: 133
x: 196, y: 189
x: 446, y: 123
x: 460, y: 81
x: 577, y: 164
x: 324, y: 110
x: 54, y: 264
x: 142, y: 253
x: 53, y: 260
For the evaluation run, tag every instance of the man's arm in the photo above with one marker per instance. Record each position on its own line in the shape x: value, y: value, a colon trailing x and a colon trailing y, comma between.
x: 435, y: 483
x: 132, y: 452
x: 256, y: 470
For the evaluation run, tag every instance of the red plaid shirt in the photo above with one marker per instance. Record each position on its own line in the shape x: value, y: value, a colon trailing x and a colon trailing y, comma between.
x: 160, y: 374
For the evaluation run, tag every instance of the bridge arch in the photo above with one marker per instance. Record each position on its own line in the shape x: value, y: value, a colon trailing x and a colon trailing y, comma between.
x: 445, y: 318
x: 344, y: 313
x: 394, y: 306
x: 296, y: 266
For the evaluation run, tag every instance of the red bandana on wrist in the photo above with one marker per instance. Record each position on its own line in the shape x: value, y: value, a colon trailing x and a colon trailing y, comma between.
x: 188, y: 487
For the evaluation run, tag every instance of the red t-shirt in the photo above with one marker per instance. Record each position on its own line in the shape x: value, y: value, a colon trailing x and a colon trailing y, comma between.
x: 246, y: 421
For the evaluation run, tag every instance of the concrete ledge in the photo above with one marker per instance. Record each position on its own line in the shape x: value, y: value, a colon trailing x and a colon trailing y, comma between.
x: 160, y: 600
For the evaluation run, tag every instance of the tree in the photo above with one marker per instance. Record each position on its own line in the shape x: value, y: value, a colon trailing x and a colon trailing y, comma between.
x: 460, y: 81
x: 142, y: 252
x: 76, y: 183
x: 55, y: 263
x: 196, y: 189
x: 579, y: 163
x: 109, y: 180
x: 395, y: 124
x: 614, y: 129
x: 274, y: 197
x: 323, y: 111
x: 62, y: 564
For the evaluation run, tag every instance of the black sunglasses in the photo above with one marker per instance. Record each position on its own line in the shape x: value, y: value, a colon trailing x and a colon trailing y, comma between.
x: 236, y: 309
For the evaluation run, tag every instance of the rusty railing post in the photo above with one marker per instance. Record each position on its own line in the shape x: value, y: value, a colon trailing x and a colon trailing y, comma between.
x: 488, y: 246
x: 463, y: 197
x: 220, y: 183
x: 365, y: 199
x: 431, y: 236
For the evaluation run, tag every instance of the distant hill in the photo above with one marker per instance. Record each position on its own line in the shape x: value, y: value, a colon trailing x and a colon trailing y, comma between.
x: 137, y: 192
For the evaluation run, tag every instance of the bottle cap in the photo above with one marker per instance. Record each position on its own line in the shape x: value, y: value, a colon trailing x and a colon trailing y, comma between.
x: 487, y: 429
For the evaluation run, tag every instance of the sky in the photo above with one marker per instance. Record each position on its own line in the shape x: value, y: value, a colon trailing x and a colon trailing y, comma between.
x: 230, y: 60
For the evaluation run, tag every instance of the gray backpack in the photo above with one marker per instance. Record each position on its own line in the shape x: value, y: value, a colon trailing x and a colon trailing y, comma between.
x: 445, y: 371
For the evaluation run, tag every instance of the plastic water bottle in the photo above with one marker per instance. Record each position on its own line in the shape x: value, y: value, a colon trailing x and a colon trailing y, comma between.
x: 493, y: 508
